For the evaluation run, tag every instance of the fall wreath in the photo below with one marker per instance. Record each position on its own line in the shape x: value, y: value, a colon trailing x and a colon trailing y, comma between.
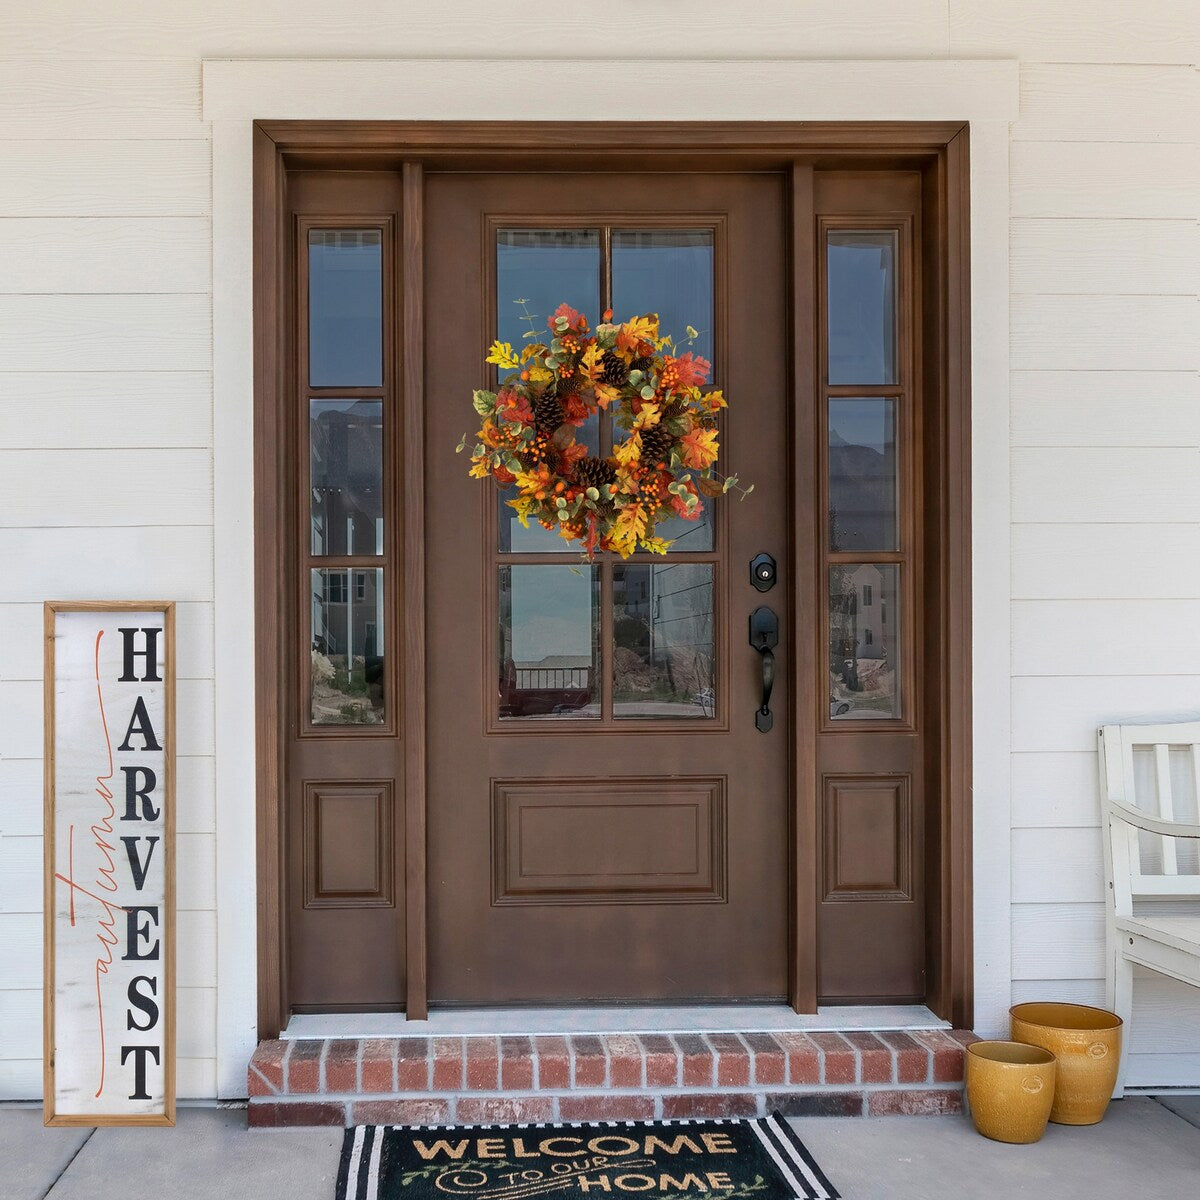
x: 664, y: 437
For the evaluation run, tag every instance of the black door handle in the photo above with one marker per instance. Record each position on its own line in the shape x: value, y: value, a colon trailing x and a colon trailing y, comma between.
x: 764, y: 637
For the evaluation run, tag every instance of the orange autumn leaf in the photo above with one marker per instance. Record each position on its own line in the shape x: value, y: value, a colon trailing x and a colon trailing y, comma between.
x: 699, y: 448
x: 636, y: 336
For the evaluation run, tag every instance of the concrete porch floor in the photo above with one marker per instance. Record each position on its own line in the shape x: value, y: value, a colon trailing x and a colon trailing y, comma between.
x: 1141, y: 1148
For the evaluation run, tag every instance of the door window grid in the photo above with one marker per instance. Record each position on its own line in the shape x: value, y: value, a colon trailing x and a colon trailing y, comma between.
x: 866, y: 435
x: 345, y: 416
x: 649, y: 661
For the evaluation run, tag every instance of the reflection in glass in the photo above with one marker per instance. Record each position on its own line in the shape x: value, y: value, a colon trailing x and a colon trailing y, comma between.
x: 862, y: 475
x: 347, y: 646
x: 864, y: 641
x: 544, y: 267
x: 663, y: 637
x: 669, y: 272
x: 549, y: 641
x: 346, y: 463
x: 862, y: 307
x: 688, y: 535
x: 345, y: 308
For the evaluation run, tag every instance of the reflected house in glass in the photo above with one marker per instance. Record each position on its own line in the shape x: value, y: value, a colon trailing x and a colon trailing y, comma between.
x: 347, y: 647
x: 863, y: 641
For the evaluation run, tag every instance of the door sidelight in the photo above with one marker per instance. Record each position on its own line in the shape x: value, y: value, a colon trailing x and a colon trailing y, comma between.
x: 764, y: 637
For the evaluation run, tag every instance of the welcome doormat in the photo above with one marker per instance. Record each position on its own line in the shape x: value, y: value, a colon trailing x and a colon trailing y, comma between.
x: 758, y: 1159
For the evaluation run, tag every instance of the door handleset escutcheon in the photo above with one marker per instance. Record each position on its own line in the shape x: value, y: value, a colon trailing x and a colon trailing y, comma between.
x: 764, y: 637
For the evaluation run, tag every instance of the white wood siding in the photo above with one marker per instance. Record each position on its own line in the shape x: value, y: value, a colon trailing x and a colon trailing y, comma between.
x: 105, y: 344
x: 1106, y: 451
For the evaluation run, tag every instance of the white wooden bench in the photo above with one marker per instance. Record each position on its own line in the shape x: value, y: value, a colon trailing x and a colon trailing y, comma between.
x: 1148, y: 774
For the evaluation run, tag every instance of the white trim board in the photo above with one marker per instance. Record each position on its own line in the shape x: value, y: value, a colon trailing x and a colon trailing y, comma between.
x: 238, y: 92
x: 535, y: 1022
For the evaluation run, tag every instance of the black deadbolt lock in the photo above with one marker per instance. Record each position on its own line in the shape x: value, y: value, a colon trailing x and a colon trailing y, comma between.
x: 763, y: 572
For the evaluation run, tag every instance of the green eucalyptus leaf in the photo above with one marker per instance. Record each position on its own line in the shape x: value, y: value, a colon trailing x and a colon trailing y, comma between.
x: 592, y: 494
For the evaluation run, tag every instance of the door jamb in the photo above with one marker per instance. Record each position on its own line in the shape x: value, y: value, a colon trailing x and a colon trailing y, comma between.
x: 794, y: 148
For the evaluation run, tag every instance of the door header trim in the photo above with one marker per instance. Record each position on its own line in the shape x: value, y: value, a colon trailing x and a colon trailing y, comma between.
x: 493, y: 90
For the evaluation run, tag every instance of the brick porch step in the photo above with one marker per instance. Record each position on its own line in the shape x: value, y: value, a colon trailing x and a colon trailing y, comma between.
x: 477, y: 1080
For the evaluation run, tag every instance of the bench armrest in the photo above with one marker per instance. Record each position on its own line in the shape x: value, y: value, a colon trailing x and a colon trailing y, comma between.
x: 1142, y: 820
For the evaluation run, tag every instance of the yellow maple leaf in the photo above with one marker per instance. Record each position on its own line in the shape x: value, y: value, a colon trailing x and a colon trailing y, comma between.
x: 533, y: 348
x: 629, y: 451
x: 649, y: 416
x: 502, y: 354
x: 605, y: 394
x: 589, y: 364
x: 540, y: 374
x: 699, y: 448
x: 655, y: 545
x: 523, y: 505
x: 481, y: 468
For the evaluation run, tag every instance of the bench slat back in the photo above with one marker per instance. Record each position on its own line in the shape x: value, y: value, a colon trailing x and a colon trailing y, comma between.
x: 1154, y: 768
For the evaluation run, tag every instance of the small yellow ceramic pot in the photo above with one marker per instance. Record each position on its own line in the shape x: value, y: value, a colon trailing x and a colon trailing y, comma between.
x: 1087, y: 1044
x: 1010, y: 1088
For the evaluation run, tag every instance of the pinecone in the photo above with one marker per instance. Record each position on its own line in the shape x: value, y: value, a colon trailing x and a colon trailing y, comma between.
x: 615, y: 371
x: 548, y: 413
x: 656, y: 445
x: 594, y: 472
x: 641, y: 364
x: 568, y: 385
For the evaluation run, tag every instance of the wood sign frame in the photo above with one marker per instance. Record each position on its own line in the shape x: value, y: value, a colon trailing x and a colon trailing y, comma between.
x: 109, y: 880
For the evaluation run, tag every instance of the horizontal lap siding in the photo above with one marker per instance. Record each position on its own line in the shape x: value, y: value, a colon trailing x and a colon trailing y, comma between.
x: 105, y: 460
x: 1105, y: 485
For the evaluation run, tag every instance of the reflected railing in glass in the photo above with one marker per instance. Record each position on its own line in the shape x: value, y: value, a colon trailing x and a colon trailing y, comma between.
x: 548, y: 647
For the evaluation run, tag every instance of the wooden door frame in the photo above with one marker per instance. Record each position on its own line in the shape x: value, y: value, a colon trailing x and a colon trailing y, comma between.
x: 940, y: 150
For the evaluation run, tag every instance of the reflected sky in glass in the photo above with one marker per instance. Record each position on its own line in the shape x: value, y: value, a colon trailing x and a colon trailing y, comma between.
x: 669, y: 272
x: 546, y: 267
x: 345, y: 308
x: 862, y: 307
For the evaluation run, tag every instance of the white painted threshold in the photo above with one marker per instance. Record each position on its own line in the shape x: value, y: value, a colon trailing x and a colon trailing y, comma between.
x: 702, y: 1018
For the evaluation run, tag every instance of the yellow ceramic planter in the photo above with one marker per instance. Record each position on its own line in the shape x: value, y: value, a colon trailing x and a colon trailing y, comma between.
x: 1010, y: 1088
x: 1087, y: 1044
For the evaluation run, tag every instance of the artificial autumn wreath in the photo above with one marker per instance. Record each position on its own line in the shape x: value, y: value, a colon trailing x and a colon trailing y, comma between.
x: 662, y: 466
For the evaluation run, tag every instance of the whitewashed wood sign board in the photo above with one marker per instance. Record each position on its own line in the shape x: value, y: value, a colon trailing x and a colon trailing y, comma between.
x: 110, y: 863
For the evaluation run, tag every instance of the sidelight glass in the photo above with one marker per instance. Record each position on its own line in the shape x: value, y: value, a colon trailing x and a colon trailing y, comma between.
x: 862, y: 475
x: 347, y: 615
x: 346, y: 476
x: 664, y: 648
x: 669, y: 272
x: 861, y: 284
x: 345, y: 308
x: 864, y: 641
x: 549, y: 642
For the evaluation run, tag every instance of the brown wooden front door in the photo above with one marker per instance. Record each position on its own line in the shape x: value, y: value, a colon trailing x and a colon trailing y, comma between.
x: 604, y: 820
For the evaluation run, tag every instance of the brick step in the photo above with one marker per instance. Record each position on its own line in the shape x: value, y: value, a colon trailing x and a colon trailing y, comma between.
x: 620, y: 1076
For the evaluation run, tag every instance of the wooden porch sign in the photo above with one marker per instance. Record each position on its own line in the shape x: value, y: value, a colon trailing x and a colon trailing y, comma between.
x: 110, y: 863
